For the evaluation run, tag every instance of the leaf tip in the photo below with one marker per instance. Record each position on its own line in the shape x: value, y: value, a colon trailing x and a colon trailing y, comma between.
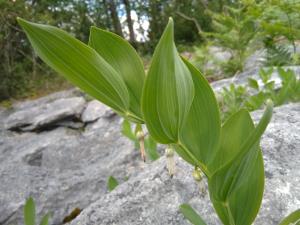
x: 171, y: 21
x: 21, y: 21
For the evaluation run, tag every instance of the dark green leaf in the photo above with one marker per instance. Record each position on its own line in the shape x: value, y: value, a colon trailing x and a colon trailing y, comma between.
x: 124, y: 59
x: 79, y: 63
x: 29, y: 212
x: 292, y: 219
x: 190, y: 214
x: 253, y: 83
x: 168, y: 91
x: 112, y: 183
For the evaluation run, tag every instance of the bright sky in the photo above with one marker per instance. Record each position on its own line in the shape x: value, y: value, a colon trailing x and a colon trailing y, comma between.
x: 140, y: 29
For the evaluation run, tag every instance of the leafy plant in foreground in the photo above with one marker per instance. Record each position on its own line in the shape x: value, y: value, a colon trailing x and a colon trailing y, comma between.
x: 29, y: 214
x: 177, y: 105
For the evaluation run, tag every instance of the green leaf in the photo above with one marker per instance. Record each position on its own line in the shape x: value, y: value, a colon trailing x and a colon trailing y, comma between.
x: 151, y: 148
x: 124, y: 59
x: 292, y: 219
x: 253, y: 83
x: 127, y: 131
x: 233, y: 134
x: 255, y: 101
x: 29, y: 212
x: 45, y: 219
x: 201, y: 130
x: 288, y: 81
x: 79, y: 63
x: 112, y: 183
x: 241, y: 182
x: 265, y: 75
x: 270, y: 85
x: 255, y: 135
x: 168, y: 91
x: 191, y: 215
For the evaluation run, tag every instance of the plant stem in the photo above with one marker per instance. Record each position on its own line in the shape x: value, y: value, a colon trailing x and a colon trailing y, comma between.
x: 169, y: 152
x: 199, y: 164
x: 141, y: 138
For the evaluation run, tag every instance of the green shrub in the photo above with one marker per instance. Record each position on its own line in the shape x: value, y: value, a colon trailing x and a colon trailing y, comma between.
x: 252, y: 96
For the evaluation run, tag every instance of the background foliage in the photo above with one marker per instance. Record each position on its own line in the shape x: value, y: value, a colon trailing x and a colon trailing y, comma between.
x: 237, y: 27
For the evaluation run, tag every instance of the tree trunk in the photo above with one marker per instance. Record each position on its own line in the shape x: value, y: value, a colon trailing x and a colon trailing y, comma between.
x: 114, y: 17
x: 107, y: 16
x: 129, y: 22
x: 156, y: 27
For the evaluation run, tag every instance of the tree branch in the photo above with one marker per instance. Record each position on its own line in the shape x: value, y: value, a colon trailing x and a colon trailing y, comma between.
x: 190, y: 19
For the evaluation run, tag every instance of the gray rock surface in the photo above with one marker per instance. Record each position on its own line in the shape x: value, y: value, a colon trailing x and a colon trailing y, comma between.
x: 255, y: 60
x: 62, y: 169
x: 219, y: 53
x: 242, y: 78
x: 153, y: 197
x: 94, y: 110
x: 48, y: 98
x: 41, y: 115
x: 65, y: 163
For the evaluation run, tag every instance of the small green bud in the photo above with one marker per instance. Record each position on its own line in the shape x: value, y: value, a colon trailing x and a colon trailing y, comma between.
x: 197, y: 174
x: 140, y: 135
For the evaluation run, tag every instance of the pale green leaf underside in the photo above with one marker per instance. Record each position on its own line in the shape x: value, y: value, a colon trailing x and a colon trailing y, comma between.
x: 191, y: 215
x: 29, y: 212
x: 124, y: 59
x: 242, y: 181
x: 79, y: 63
x: 168, y: 91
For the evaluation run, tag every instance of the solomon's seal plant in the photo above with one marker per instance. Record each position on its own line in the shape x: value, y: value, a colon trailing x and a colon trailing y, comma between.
x: 176, y: 104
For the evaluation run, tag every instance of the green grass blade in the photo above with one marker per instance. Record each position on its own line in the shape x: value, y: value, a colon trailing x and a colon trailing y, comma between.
x: 168, y: 91
x: 45, y: 219
x: 191, y: 215
x: 79, y: 63
x: 292, y: 219
x: 124, y: 59
x: 29, y: 212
